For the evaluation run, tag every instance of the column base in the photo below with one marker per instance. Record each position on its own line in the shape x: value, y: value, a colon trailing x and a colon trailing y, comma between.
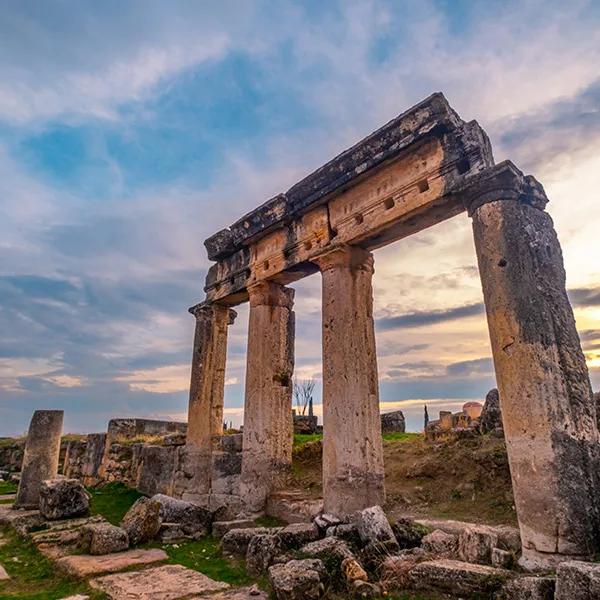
x: 351, y: 492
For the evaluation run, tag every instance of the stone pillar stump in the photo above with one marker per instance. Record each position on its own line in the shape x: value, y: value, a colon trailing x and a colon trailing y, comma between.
x: 40, y: 462
x: 268, y: 430
x: 548, y: 413
x: 353, y: 476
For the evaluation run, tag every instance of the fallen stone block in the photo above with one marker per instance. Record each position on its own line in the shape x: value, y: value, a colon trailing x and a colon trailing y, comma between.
x: 63, y: 499
x: 262, y: 550
x: 455, y: 577
x: 475, y: 544
x: 85, y: 565
x: 346, y: 531
x: 194, y: 520
x: 169, y: 582
x: 22, y: 521
x: 142, y: 521
x: 577, y: 580
x: 236, y: 541
x: 105, y: 538
x: 440, y: 543
x: 220, y: 528
x: 528, y: 588
x: 509, y: 537
x: 171, y: 533
x: 330, y: 550
x: 298, y: 579
x: 298, y: 534
x: 373, y: 526
x: 364, y: 589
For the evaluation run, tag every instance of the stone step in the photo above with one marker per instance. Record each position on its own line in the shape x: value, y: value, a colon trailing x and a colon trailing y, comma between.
x: 170, y: 582
x: 85, y: 565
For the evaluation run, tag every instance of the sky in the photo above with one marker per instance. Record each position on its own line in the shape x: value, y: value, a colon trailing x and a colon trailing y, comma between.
x: 131, y: 131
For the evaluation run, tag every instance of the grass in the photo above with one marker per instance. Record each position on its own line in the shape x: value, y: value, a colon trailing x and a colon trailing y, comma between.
x: 303, y: 438
x: 401, y: 437
x: 112, y: 501
x: 33, y: 576
x: 205, y: 556
x: 7, y: 487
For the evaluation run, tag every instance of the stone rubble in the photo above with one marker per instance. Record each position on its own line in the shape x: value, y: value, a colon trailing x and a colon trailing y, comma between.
x: 142, y: 521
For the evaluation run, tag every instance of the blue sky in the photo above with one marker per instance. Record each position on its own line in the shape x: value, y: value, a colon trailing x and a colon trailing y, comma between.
x: 131, y: 131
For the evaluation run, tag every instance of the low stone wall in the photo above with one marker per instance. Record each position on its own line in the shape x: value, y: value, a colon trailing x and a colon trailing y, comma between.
x: 11, y: 454
x: 126, y: 429
x: 83, y: 458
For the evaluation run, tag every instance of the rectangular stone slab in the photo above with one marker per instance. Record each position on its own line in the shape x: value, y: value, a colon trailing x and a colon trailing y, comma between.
x: 84, y: 565
x: 170, y: 582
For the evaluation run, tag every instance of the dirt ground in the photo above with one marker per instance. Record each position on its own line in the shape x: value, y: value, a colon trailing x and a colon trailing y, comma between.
x: 465, y: 479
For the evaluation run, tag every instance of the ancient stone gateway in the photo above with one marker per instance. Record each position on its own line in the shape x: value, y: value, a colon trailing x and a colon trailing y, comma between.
x: 425, y: 166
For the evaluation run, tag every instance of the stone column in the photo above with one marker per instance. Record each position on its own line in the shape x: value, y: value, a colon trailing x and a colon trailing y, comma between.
x: 547, y: 409
x: 353, y: 476
x: 268, y: 429
x: 207, y: 387
x: 40, y: 462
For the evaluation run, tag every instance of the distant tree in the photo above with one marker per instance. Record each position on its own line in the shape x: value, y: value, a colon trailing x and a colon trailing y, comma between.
x: 303, y: 391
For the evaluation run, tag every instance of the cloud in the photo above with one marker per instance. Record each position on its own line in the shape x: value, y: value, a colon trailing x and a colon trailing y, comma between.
x: 432, y: 317
x: 585, y: 297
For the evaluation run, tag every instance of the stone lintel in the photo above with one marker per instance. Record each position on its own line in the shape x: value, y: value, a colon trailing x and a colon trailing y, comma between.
x: 502, y: 182
x: 268, y: 293
x: 431, y: 118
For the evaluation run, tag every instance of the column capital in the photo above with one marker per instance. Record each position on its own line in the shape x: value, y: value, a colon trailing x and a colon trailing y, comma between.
x: 269, y: 293
x: 345, y: 257
x: 502, y: 182
x: 207, y: 311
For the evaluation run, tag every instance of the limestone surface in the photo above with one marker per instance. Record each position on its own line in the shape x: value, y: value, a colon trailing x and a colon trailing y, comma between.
x: 455, y: 577
x: 373, y: 526
x: 104, y: 538
x: 84, y: 565
x: 63, y: 499
x: 40, y: 461
x: 220, y: 528
x: 441, y: 544
x: 298, y: 579
x: 142, y: 521
x: 262, y: 550
x: 194, y: 520
x: 236, y: 541
x: 577, y: 580
x: 528, y: 588
x: 169, y: 582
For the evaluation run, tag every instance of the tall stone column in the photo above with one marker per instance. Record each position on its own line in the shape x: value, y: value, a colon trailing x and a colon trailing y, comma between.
x: 40, y: 462
x: 268, y: 427
x: 545, y: 394
x: 207, y: 389
x: 353, y: 475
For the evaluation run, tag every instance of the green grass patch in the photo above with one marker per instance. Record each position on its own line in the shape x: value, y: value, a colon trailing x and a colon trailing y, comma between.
x: 205, y: 556
x: 112, y: 501
x: 8, y: 487
x: 303, y: 438
x: 401, y: 437
x: 33, y: 576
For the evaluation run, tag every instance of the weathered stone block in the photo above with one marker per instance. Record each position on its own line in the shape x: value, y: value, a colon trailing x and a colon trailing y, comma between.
x: 195, y: 521
x: 441, y: 544
x: 528, y: 588
x: 220, y: 528
x: 262, y: 550
x: 298, y: 579
x: 142, y: 521
x: 577, y: 580
x: 63, y: 499
x: 475, y: 544
x: 104, y: 538
x: 373, y: 526
x: 455, y: 577
x: 236, y: 541
x: 298, y: 534
x: 157, y: 468
x: 393, y: 422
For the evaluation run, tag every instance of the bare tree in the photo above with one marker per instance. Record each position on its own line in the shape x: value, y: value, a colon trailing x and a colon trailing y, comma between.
x: 303, y: 391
